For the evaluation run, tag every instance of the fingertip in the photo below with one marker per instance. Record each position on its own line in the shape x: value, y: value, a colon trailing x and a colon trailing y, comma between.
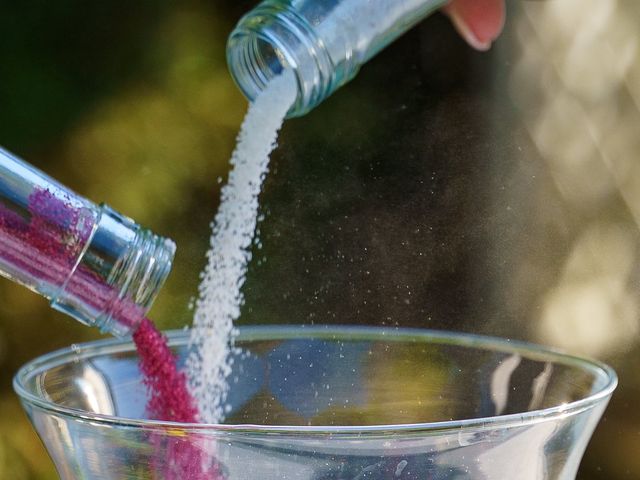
x: 479, y: 22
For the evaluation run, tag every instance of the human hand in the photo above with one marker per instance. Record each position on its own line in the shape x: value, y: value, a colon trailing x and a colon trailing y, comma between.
x: 478, y: 21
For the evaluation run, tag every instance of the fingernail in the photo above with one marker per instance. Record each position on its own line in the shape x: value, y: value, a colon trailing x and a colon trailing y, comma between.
x: 467, y: 33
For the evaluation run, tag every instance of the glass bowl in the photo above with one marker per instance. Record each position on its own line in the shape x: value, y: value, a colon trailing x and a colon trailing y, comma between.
x: 328, y: 403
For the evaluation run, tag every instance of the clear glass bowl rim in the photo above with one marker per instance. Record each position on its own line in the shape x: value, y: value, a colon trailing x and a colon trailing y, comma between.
x: 330, y: 332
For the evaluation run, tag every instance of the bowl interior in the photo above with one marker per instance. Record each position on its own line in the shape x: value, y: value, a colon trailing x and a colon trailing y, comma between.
x: 335, y: 377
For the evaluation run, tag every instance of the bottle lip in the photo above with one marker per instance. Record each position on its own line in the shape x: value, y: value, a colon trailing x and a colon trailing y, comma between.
x: 270, y: 39
x: 136, y: 279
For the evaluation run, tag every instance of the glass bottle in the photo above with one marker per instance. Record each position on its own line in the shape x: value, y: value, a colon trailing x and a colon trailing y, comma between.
x: 323, y: 41
x: 92, y: 263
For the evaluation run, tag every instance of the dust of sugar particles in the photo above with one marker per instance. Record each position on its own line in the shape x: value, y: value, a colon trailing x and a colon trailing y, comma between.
x: 219, y: 295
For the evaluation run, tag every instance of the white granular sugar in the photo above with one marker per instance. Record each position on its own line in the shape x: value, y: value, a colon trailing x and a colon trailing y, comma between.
x: 220, y: 296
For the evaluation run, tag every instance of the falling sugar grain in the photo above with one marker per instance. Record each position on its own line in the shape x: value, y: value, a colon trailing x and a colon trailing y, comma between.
x: 219, y: 296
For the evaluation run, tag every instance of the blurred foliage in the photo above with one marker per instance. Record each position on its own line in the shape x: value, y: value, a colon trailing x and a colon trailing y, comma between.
x: 444, y: 188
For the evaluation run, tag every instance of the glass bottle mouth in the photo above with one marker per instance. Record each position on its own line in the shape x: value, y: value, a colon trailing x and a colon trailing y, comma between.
x: 118, y: 275
x: 271, y: 39
x: 137, y: 278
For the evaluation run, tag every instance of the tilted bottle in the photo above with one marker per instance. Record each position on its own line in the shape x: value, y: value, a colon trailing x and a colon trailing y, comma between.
x: 92, y: 263
x: 324, y: 42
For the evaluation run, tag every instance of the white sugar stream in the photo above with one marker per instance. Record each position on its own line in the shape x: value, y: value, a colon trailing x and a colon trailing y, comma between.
x: 220, y: 297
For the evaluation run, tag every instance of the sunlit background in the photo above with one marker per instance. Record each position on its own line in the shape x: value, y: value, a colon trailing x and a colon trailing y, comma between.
x: 494, y: 193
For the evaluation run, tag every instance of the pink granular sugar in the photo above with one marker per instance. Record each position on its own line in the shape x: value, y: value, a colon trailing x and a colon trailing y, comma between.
x: 169, y: 398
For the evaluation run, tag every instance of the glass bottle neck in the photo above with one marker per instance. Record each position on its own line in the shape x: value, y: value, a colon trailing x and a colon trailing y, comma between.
x: 324, y: 42
x: 117, y: 276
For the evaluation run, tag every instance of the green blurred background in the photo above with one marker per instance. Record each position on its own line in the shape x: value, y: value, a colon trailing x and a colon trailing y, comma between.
x: 495, y: 193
